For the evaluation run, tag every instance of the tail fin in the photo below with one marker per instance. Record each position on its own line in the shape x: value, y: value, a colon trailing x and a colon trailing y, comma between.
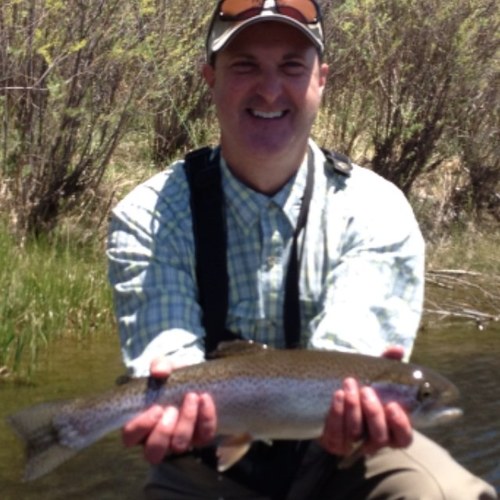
x: 35, y: 428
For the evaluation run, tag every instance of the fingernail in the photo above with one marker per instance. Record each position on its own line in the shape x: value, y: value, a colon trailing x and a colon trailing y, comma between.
x: 169, y: 415
x: 393, y: 412
x: 156, y: 412
x: 179, y: 444
x: 350, y: 385
x: 368, y: 395
x: 194, y: 398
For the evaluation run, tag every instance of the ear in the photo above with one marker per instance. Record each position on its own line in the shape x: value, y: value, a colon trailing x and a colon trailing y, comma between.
x: 208, y: 72
x: 323, y: 73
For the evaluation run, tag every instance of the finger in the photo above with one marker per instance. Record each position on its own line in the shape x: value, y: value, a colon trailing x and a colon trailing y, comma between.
x: 400, y: 428
x: 206, y: 426
x: 332, y: 438
x: 353, y: 415
x: 375, y: 419
x: 184, y: 428
x: 161, y: 367
x: 158, y: 443
x: 395, y: 352
x: 137, y: 430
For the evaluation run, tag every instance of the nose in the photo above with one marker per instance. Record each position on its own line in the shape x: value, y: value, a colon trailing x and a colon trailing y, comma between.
x: 269, y: 86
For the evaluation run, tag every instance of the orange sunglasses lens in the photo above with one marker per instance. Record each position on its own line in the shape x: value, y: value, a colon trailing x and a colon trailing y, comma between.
x: 305, y: 11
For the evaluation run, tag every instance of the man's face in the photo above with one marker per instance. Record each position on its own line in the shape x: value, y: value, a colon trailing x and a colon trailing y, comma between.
x: 266, y: 86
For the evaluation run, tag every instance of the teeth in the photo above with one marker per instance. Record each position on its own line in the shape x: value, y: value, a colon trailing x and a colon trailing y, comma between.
x: 268, y: 115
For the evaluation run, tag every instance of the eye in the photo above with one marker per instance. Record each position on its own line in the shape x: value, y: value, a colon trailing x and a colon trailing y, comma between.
x: 424, y: 392
x: 293, y: 68
x: 243, y: 67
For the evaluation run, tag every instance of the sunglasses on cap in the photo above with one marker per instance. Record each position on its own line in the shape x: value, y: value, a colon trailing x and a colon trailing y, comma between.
x: 304, y: 11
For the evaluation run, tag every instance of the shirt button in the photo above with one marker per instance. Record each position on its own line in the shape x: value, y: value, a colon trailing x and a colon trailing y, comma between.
x: 272, y: 261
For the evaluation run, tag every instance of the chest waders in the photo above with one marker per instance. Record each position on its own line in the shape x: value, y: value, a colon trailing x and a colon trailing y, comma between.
x: 266, y: 465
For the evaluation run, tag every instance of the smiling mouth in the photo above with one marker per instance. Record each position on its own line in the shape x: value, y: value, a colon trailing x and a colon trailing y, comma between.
x: 267, y: 115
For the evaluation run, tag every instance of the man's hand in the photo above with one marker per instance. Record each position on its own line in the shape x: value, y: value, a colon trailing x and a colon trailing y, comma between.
x: 166, y: 430
x: 357, y: 414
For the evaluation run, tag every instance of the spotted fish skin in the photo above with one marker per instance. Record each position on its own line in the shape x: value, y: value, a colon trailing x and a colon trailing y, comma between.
x: 259, y: 394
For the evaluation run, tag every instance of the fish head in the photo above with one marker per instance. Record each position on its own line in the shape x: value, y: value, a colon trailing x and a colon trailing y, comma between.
x: 434, y: 398
x: 425, y: 395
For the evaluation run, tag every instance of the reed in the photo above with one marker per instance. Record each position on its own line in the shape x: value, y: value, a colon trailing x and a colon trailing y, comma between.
x: 50, y: 289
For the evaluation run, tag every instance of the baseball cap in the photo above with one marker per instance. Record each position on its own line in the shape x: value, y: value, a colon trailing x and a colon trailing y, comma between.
x: 233, y: 16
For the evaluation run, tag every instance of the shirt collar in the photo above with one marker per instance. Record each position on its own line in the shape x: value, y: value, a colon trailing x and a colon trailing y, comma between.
x: 247, y: 204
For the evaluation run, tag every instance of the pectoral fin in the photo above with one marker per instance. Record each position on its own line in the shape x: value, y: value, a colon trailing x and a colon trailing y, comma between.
x: 231, y: 449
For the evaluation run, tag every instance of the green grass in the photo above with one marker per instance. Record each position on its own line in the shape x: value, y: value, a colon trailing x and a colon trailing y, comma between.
x: 467, y: 248
x: 50, y: 289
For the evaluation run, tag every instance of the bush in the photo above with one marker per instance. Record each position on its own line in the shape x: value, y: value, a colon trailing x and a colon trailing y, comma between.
x: 413, y: 83
x: 75, y: 75
x: 407, y: 74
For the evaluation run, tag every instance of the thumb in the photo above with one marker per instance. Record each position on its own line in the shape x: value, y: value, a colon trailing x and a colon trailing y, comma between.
x: 161, y: 367
x: 395, y: 352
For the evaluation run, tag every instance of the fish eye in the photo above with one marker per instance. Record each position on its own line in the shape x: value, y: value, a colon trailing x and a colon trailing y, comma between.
x: 424, y: 392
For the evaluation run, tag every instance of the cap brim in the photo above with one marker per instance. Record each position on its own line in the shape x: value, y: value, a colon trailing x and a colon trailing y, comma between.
x: 216, y: 42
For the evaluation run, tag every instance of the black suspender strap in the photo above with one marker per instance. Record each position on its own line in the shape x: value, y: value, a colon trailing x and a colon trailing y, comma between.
x: 291, y: 308
x: 209, y: 229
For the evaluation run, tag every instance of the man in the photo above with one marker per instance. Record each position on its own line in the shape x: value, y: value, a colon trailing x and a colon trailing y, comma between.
x: 361, y: 277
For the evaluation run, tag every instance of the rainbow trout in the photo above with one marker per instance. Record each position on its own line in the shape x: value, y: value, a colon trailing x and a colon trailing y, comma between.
x: 259, y: 393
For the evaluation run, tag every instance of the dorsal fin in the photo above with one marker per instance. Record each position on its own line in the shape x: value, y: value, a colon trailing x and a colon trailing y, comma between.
x: 237, y: 348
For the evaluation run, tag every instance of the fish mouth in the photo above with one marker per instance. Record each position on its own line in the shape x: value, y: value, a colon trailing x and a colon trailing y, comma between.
x: 430, y: 417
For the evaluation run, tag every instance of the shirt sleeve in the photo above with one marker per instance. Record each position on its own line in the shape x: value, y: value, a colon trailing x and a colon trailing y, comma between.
x: 151, y: 271
x: 374, y: 286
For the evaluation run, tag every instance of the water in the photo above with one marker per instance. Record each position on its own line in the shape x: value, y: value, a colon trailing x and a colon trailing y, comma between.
x: 105, y: 470
x: 466, y: 355
x: 470, y: 358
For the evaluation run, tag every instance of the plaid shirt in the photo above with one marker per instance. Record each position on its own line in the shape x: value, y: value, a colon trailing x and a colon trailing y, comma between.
x: 361, y: 277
